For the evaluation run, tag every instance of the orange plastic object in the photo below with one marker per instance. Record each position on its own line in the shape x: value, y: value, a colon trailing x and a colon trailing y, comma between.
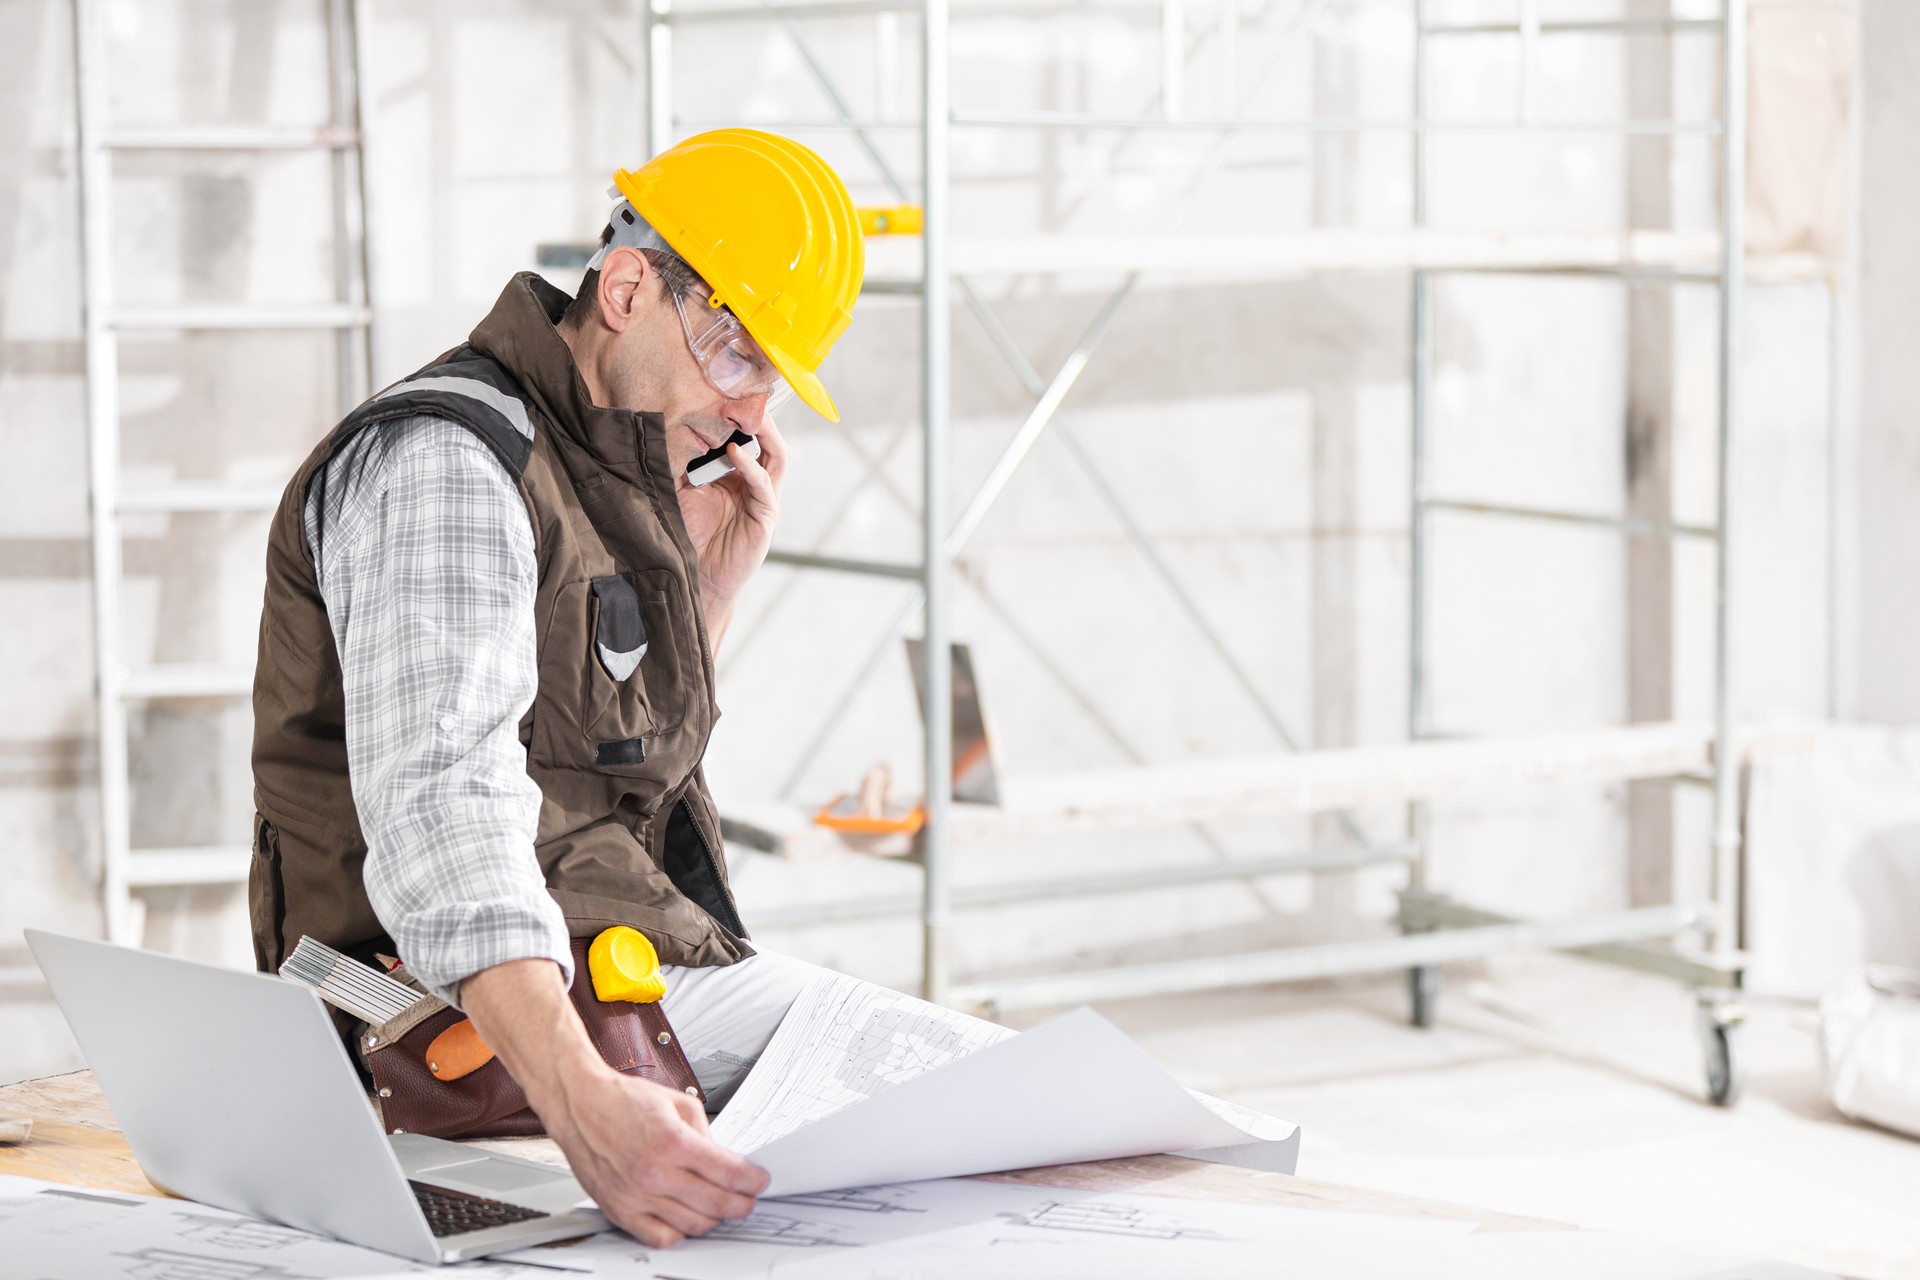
x: 624, y: 966
x: 457, y: 1051
x: 839, y: 815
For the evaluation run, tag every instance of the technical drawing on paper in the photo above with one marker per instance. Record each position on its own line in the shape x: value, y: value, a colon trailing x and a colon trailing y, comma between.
x: 172, y: 1264
x: 774, y: 1228
x: 893, y: 1045
x: 55, y: 1214
x: 1095, y: 1217
x: 238, y: 1234
x: 856, y: 1199
x: 843, y: 1040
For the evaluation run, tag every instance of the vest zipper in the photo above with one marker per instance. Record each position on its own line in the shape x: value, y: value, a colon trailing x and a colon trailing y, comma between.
x: 719, y: 879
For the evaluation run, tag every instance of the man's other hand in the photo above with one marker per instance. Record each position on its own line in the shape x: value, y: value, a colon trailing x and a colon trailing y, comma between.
x: 640, y: 1149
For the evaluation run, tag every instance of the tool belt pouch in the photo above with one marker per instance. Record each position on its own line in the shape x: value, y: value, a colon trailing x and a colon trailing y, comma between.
x: 487, y: 1102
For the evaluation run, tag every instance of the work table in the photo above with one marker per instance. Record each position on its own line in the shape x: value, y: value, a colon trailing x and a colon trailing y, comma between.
x: 76, y: 1141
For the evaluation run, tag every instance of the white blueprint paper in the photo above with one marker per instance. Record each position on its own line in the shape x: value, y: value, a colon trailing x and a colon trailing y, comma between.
x: 1072, y: 1089
x: 967, y: 1230
x: 972, y: 1231
x: 961, y: 1227
x: 843, y: 1041
x: 74, y: 1233
x: 847, y: 1044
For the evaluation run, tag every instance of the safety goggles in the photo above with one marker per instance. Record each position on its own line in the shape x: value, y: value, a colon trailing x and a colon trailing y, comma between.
x: 728, y: 355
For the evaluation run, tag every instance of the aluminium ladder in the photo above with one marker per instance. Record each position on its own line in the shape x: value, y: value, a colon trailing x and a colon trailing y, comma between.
x: 125, y: 870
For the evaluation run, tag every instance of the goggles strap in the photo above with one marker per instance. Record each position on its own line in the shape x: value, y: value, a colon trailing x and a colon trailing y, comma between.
x: 630, y: 231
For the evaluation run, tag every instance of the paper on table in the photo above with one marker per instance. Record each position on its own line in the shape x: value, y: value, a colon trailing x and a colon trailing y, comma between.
x: 843, y: 1041
x: 1265, y: 1143
x: 1071, y: 1089
x: 846, y: 1040
x: 51, y: 1230
x: 965, y: 1228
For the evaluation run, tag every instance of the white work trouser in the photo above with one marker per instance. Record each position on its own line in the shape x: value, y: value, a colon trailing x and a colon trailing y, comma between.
x: 726, y: 1015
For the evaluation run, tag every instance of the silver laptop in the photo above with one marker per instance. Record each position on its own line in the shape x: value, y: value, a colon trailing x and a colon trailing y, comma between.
x: 233, y: 1090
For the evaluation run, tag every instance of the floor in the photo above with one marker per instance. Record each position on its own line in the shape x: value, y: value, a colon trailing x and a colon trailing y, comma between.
x: 1563, y: 1090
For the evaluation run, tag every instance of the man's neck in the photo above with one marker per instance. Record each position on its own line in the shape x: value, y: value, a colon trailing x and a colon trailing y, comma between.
x: 585, y: 350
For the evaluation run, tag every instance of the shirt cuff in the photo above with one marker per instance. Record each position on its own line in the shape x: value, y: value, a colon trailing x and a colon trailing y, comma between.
x: 450, y: 944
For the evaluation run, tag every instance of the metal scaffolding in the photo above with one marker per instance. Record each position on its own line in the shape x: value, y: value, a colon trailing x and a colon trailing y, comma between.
x: 1435, y: 928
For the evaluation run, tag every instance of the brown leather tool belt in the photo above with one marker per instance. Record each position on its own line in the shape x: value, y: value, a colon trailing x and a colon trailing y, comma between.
x: 432, y: 1074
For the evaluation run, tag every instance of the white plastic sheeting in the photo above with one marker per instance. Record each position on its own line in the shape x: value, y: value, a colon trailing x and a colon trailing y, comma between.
x: 1834, y: 859
x: 1870, y: 1036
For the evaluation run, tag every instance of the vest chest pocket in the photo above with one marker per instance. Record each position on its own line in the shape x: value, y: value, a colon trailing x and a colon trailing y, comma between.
x: 636, y: 680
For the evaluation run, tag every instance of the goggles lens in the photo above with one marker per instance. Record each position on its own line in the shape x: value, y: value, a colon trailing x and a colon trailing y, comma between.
x: 728, y: 355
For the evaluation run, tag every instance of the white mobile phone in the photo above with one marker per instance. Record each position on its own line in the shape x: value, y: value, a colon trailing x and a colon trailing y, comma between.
x: 713, y: 464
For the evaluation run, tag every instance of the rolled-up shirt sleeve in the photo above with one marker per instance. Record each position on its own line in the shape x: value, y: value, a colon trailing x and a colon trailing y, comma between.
x: 426, y: 562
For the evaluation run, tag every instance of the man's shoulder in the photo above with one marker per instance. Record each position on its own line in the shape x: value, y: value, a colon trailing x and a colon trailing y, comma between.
x: 464, y: 387
x: 415, y: 443
x: 421, y: 459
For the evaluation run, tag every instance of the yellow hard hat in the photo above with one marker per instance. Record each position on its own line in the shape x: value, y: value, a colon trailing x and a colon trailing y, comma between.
x: 772, y: 229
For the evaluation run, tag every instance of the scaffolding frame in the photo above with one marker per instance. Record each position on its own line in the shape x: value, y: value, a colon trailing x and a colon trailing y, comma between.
x: 1435, y: 928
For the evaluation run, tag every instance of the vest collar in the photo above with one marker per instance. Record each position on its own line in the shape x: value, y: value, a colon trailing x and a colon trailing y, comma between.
x: 519, y: 332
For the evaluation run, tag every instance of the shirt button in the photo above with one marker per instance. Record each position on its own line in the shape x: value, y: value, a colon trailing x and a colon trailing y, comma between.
x: 447, y: 723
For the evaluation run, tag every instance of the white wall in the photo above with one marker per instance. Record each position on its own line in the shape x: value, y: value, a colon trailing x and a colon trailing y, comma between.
x: 493, y: 127
x: 1886, y: 679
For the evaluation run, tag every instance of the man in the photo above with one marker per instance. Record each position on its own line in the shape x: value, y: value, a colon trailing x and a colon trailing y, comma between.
x: 486, y: 658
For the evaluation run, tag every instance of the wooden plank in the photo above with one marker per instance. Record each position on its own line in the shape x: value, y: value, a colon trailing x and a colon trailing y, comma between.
x: 1310, y: 782
x: 72, y: 1098
x: 1225, y: 789
x: 78, y: 1155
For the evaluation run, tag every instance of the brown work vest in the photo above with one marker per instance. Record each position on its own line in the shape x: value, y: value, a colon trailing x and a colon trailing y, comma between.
x: 628, y: 832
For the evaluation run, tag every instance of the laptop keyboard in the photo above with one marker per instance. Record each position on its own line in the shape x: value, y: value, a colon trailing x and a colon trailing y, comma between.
x: 452, y: 1213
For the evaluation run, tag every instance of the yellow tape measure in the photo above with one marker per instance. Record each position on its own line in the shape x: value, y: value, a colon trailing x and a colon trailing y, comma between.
x: 624, y: 966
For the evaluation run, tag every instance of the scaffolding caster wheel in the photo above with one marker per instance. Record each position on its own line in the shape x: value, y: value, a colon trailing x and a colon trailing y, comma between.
x: 1423, y: 993
x: 1720, y: 1043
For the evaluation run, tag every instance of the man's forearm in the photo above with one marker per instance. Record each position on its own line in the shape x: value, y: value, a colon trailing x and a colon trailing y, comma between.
x: 640, y: 1149
x: 522, y: 1011
x: 719, y: 616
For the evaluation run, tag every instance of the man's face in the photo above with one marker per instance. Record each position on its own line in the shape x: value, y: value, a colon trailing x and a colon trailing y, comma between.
x: 653, y: 369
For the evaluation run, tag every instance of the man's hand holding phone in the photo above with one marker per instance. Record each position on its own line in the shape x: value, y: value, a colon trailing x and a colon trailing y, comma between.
x: 730, y: 512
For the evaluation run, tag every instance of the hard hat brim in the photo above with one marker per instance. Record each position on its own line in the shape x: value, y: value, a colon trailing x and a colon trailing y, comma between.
x: 804, y: 382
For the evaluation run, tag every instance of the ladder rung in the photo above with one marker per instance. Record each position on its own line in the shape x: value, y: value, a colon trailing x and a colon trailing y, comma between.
x: 209, y: 495
x: 233, y: 138
x: 187, y: 680
x: 212, y: 864
x: 320, y: 315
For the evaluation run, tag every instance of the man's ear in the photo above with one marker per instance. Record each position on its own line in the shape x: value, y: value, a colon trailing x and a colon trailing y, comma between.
x: 622, y: 273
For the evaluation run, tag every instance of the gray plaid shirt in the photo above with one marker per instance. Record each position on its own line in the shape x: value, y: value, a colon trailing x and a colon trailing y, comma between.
x: 426, y: 562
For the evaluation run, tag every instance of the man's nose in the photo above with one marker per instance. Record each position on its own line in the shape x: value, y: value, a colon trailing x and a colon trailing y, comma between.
x: 747, y: 415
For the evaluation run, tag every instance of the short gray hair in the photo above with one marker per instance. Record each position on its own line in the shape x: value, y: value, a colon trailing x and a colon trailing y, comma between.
x: 627, y: 229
